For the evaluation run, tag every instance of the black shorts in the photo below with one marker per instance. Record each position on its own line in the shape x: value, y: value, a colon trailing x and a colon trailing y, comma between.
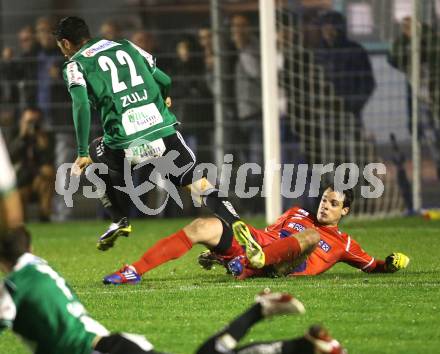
x: 184, y: 161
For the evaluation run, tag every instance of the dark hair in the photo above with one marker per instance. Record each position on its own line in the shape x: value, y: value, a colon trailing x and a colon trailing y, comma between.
x: 14, y: 243
x: 336, y: 19
x: 348, y: 194
x: 72, y: 28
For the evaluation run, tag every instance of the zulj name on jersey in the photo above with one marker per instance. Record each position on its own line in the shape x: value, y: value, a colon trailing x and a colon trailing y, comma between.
x: 134, y: 97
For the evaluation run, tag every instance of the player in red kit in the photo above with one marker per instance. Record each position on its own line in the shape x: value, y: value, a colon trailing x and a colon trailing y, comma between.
x: 298, y: 243
x: 333, y: 246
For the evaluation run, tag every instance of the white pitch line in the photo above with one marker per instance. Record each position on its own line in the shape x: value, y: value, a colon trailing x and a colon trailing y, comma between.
x: 258, y: 286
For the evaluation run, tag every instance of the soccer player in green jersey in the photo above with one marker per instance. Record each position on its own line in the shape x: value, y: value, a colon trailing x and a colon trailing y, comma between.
x: 131, y: 94
x: 38, y: 304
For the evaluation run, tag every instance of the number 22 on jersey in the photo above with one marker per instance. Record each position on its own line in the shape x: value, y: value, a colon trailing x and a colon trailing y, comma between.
x: 123, y: 58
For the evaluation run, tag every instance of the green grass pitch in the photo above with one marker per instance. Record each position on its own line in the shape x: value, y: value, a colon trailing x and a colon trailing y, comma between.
x: 178, y: 305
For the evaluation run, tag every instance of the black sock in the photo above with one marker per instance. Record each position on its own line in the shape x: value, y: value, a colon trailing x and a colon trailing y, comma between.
x: 293, y: 346
x: 221, y: 207
x: 112, y: 209
x: 120, y: 199
x: 236, y: 329
x: 110, y: 201
x: 239, y: 327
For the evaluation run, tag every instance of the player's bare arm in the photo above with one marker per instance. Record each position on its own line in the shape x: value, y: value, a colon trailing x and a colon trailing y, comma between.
x: 11, y: 210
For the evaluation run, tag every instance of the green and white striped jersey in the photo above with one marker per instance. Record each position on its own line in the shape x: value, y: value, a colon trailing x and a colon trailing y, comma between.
x: 126, y: 87
x: 38, y: 305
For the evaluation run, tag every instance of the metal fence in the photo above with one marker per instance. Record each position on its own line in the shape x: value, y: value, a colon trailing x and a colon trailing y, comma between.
x: 211, y: 49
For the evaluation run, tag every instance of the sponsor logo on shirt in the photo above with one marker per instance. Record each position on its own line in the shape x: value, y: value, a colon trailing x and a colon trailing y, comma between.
x: 324, y: 246
x: 296, y: 226
x: 99, y: 47
x: 302, y: 211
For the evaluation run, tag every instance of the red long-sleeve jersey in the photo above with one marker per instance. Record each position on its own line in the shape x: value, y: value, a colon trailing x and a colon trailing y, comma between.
x: 335, y: 246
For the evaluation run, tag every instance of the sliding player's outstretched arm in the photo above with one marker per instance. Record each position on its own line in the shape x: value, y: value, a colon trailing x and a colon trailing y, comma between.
x: 357, y: 257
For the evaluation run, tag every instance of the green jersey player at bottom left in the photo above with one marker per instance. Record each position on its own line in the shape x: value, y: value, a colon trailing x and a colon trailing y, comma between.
x: 39, y: 306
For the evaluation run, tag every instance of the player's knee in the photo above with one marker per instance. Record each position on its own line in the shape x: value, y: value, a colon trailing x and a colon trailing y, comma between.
x: 202, y: 230
x: 196, y: 230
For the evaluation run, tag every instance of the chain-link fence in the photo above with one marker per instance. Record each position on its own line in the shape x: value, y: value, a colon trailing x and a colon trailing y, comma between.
x: 346, y: 78
x: 337, y: 104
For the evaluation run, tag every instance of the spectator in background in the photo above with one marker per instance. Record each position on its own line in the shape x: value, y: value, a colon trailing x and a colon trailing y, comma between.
x: 205, y: 42
x: 205, y: 39
x: 19, y: 73
x: 247, y: 90
x: 19, y: 76
x: 50, y: 91
x: 400, y: 58
x: 290, y: 150
x: 346, y: 64
x: 191, y: 97
x: 53, y: 100
x: 247, y: 129
x: 144, y: 40
x: 348, y: 69
x: 148, y: 42
x: 110, y: 30
x: 27, y: 67
x: 8, y: 88
x: 32, y: 154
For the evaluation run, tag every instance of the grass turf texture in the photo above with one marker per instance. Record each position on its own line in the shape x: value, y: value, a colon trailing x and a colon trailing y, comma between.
x: 179, y: 305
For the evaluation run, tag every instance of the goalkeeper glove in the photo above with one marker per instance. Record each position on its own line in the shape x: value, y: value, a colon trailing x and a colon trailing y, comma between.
x: 396, y: 261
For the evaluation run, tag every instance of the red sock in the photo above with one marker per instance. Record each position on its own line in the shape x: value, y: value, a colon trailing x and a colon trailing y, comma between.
x: 282, y: 250
x: 167, y: 249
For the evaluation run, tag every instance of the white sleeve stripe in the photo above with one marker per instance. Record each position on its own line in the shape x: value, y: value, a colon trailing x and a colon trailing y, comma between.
x: 361, y: 258
x: 74, y: 76
x: 348, y: 244
x: 370, y: 263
